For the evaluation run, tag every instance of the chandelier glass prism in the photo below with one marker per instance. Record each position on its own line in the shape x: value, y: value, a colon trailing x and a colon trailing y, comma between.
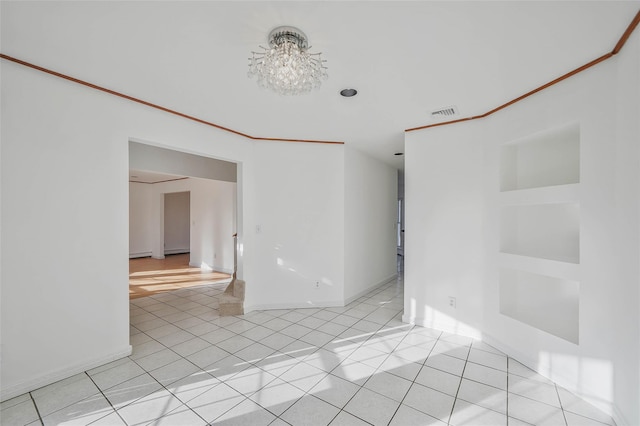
x: 287, y: 67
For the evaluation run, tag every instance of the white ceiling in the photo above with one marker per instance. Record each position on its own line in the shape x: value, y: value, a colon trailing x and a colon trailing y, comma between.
x: 404, y: 58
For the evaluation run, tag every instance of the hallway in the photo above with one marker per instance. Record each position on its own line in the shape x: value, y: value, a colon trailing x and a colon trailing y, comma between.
x: 352, y: 365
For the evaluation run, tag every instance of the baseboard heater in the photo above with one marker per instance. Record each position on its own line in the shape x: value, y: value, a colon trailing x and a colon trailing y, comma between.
x: 142, y: 254
x: 176, y: 251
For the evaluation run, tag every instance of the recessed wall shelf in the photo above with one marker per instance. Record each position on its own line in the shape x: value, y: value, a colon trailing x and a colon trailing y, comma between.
x: 565, y: 270
x: 545, y: 159
x: 539, y: 205
x: 547, y: 303
x: 548, y: 231
x: 549, y: 194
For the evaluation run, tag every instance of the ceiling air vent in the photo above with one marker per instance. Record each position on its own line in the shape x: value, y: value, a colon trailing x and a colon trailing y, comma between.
x: 447, y: 112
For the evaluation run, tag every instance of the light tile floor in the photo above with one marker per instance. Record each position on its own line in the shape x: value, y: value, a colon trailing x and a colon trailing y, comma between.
x: 352, y: 365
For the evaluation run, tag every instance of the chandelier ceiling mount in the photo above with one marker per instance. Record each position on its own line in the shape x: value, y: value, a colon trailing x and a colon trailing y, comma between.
x: 287, y: 67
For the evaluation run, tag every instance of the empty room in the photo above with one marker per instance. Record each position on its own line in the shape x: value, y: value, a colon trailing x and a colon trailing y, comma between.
x: 381, y: 212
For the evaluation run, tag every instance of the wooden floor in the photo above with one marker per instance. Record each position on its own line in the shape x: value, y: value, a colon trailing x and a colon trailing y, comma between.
x: 148, y: 276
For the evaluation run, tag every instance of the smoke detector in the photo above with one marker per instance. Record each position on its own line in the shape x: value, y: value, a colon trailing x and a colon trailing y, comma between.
x: 443, y: 113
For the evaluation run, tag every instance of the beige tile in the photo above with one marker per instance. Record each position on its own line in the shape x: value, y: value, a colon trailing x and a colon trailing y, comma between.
x: 439, y: 380
x: 409, y: 416
x: 465, y: 413
x: 334, y: 390
x: 18, y: 413
x: 372, y: 407
x: 246, y: 413
x: 277, y: 396
x: 64, y: 393
x: 429, y: 401
x: 310, y: 410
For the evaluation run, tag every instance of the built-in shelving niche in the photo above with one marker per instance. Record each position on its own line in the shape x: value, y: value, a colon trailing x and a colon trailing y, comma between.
x: 548, y: 303
x: 539, y: 207
x: 545, y: 159
x: 547, y: 231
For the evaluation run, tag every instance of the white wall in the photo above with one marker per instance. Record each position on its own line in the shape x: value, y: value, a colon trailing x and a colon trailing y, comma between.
x: 370, y: 199
x: 213, y: 223
x: 177, y: 222
x: 140, y: 213
x: 213, y: 220
x: 69, y: 145
x: 444, y: 235
x: 299, y: 226
x: 453, y: 232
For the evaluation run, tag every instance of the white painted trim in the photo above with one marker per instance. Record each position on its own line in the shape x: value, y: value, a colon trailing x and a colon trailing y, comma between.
x: 33, y: 384
x: 618, y: 417
x: 448, y: 327
x: 141, y: 254
x: 176, y: 251
x: 370, y: 289
x: 221, y: 269
x: 327, y: 304
x: 215, y: 268
x: 158, y: 257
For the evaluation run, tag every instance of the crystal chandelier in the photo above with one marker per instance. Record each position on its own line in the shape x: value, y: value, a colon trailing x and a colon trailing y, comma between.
x: 287, y: 67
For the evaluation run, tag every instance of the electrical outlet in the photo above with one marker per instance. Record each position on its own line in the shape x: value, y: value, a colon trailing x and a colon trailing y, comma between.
x: 317, y: 284
x: 452, y: 302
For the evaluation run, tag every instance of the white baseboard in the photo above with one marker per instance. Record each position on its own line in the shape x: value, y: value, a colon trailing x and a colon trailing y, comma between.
x: 268, y: 306
x: 216, y: 268
x: 176, y: 251
x: 33, y: 384
x: 323, y: 304
x: 618, y: 417
x: 370, y: 289
x: 453, y: 327
x: 141, y: 254
x: 223, y: 269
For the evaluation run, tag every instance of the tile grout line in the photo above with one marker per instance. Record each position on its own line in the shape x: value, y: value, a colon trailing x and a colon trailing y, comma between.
x: 107, y: 399
x: 508, y: 364
x: 414, y: 379
x: 36, y: 407
x: 340, y: 409
x: 163, y: 387
x: 560, y: 402
x: 369, y: 378
x: 377, y: 369
x: 188, y: 360
x: 371, y: 335
x: 298, y: 339
x: 459, y: 384
x: 305, y: 393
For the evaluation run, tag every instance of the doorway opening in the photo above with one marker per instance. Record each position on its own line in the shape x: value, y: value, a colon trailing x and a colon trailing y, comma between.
x: 183, y: 213
x: 177, y: 222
